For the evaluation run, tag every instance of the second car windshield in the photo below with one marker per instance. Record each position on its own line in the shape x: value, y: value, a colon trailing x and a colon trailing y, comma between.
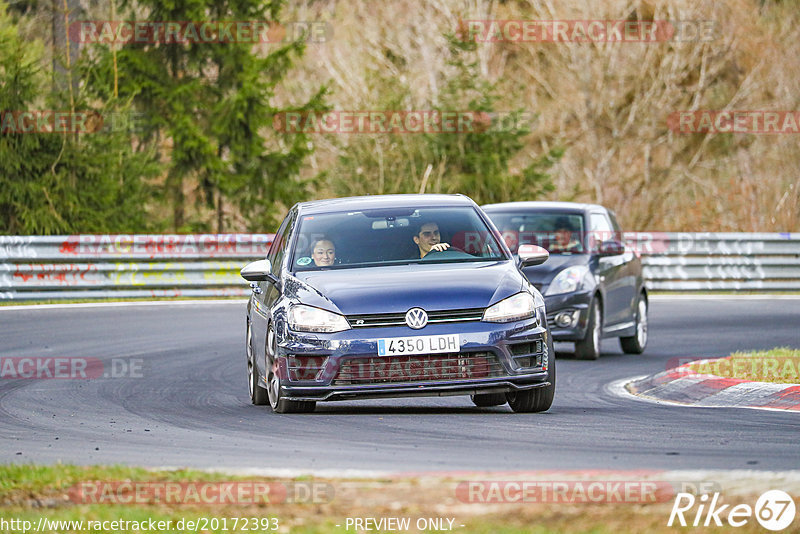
x: 559, y: 233
x: 393, y: 236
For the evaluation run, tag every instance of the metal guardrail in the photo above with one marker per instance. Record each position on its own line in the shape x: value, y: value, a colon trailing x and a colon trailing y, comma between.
x: 126, y: 266
x: 130, y: 266
x: 704, y: 261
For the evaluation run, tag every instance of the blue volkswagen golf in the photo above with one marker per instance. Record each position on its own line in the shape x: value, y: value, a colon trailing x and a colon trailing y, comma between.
x: 395, y: 296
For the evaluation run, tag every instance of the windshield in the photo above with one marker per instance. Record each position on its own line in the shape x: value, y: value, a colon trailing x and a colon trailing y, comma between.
x: 392, y: 237
x: 559, y: 233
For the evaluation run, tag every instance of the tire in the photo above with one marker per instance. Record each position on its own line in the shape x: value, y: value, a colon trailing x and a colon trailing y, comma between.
x: 588, y: 348
x: 636, y: 343
x: 274, y: 383
x: 488, y: 399
x: 538, y: 399
x: 258, y: 395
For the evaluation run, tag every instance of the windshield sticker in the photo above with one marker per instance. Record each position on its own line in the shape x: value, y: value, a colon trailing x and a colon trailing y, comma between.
x: 305, y: 260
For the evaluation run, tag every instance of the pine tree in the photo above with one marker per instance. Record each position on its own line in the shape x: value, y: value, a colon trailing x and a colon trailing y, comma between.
x: 213, y: 102
x: 479, y: 160
x: 476, y: 162
x: 56, y: 183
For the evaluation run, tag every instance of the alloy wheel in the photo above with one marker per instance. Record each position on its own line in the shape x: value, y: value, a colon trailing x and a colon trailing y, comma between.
x: 250, y: 370
x: 597, y: 326
x: 641, y: 326
x: 274, y: 385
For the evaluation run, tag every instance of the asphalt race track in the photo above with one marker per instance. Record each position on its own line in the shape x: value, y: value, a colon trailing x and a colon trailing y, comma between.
x: 188, y: 404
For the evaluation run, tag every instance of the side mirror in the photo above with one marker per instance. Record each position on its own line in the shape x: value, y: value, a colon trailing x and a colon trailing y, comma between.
x: 257, y: 271
x: 611, y: 248
x: 532, y: 255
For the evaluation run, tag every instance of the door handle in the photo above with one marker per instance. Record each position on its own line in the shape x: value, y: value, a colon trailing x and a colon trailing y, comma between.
x: 254, y: 286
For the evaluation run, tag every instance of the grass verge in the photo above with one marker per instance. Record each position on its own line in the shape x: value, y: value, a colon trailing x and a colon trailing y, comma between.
x: 310, y: 505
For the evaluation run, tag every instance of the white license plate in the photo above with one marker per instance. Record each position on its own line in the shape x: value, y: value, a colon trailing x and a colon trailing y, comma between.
x: 419, y: 345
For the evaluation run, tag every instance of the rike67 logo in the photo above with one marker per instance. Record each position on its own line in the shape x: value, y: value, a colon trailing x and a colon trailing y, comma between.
x: 774, y: 510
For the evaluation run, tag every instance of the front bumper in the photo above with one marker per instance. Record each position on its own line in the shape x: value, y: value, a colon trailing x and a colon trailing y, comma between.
x: 329, y: 353
x: 575, y: 304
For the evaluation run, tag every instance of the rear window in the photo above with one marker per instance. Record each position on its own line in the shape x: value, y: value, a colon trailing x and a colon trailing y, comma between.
x: 386, y: 237
x: 559, y: 233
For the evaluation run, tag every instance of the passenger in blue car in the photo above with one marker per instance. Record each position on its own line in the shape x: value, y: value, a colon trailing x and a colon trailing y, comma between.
x: 323, y: 252
x: 428, y: 239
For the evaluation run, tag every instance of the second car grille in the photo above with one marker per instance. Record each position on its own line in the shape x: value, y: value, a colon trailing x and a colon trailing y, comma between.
x: 420, y: 368
x: 399, y: 319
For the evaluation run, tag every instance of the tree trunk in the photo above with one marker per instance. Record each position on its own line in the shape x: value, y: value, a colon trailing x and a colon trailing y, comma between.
x: 65, y: 51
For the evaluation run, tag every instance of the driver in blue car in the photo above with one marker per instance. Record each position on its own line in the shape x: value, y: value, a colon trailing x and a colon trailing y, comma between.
x: 428, y: 239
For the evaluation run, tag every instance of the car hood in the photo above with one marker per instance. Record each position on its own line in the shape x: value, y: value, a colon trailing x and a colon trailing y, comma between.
x: 542, y: 275
x: 396, y: 289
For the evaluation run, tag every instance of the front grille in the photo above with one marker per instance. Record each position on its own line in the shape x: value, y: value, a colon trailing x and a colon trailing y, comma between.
x: 399, y: 319
x: 420, y: 368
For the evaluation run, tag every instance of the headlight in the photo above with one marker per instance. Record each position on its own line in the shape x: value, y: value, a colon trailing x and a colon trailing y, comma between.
x: 538, y: 301
x: 513, y: 308
x: 568, y: 280
x: 304, y: 318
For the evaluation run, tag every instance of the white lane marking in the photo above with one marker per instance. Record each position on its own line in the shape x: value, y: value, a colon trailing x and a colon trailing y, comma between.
x: 762, y: 296
x: 122, y: 304
x: 618, y: 389
x: 290, y: 472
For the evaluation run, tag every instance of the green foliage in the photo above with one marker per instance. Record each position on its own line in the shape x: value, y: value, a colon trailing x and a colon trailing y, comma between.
x: 205, y: 156
x: 479, y: 162
x: 205, y: 124
x: 55, y: 183
x: 212, y: 100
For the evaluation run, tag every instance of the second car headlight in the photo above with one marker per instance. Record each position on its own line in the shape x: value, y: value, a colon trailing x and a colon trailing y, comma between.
x: 568, y: 280
x: 513, y: 308
x: 304, y: 318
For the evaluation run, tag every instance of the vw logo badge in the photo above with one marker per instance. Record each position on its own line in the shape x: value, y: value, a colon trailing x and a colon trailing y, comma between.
x: 416, y: 318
